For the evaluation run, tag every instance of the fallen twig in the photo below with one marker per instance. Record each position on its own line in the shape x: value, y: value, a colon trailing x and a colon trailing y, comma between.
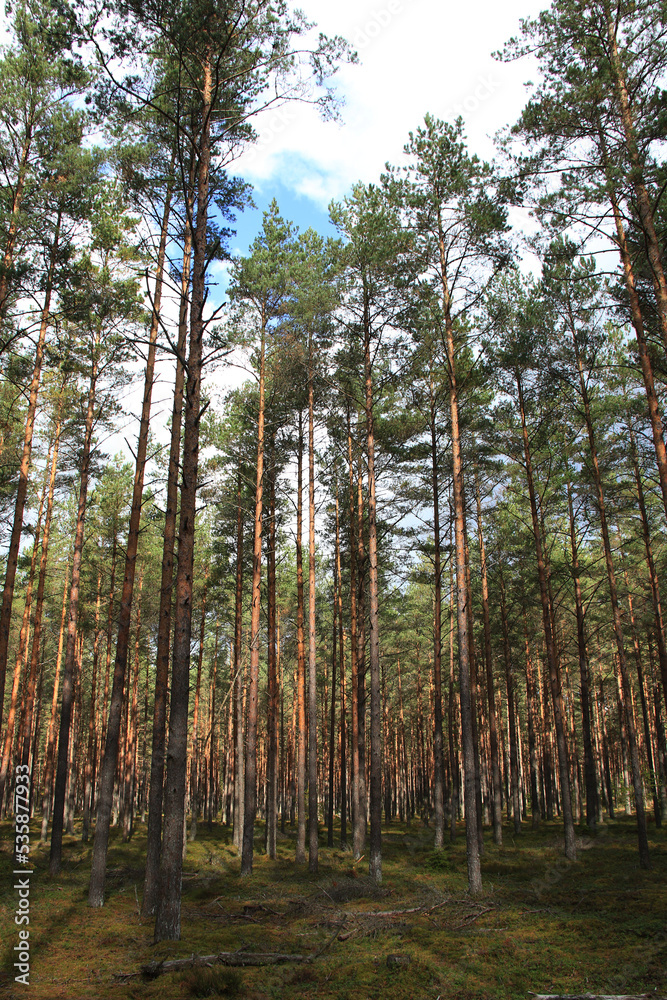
x: 591, y: 996
x: 471, y: 917
x: 236, y: 958
x: 311, y: 958
x: 381, y: 914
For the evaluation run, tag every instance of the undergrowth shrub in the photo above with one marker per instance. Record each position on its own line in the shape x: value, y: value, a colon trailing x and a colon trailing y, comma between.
x: 212, y: 982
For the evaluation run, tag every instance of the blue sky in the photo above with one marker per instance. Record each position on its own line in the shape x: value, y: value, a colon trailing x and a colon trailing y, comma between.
x: 294, y: 207
x: 415, y: 56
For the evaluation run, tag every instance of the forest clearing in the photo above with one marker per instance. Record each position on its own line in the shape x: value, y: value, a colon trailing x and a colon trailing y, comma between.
x: 332, y: 644
x: 543, y: 925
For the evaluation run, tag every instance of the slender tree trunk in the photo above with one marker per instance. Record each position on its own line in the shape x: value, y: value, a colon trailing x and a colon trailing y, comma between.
x: 69, y: 675
x: 438, y: 751
x: 467, y: 707
x: 239, y: 775
x: 88, y: 779
x: 554, y: 672
x: 272, y: 665
x: 644, y: 207
x: 155, y: 797
x: 375, y: 859
x: 511, y: 712
x: 168, y: 916
x: 17, y: 201
x: 532, y: 736
x: 211, y: 807
x: 655, y: 418
x: 194, y: 755
x: 652, y: 775
x: 312, y: 635
x: 250, y: 807
x: 300, y: 853
x: 616, y: 613
x: 490, y: 690
x: 584, y: 676
x: 39, y: 602
x: 332, y: 720
x: 361, y: 663
x: 24, y: 467
x: 650, y: 562
x: 21, y: 659
x: 49, y: 763
x: 357, y: 841
x: 453, y: 751
x: 131, y: 738
x: 108, y: 768
x: 343, y: 722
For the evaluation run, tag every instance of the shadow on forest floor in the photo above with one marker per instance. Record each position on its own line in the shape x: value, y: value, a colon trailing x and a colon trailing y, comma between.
x: 542, y: 925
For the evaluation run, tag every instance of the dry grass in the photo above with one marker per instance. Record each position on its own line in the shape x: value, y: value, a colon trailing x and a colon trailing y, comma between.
x: 543, y: 925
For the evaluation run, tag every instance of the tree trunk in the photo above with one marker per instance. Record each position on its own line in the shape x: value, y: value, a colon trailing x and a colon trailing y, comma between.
x: 17, y: 200
x: 361, y: 664
x: 643, y: 204
x: 650, y: 562
x: 332, y: 720
x: 357, y: 839
x: 616, y: 613
x: 131, y: 740
x: 272, y: 665
x: 589, y: 760
x: 438, y: 751
x: 532, y: 736
x: 453, y: 750
x: 467, y: 707
x: 652, y: 775
x: 88, y: 774
x: 239, y: 760
x: 108, y: 768
x: 300, y: 853
x: 490, y: 692
x: 375, y: 858
x: 24, y: 468
x: 69, y: 678
x: 655, y: 418
x: 213, y: 671
x: 194, y: 755
x: 49, y: 763
x: 312, y: 636
x: 250, y: 807
x: 168, y: 918
x: 511, y: 713
x: 155, y: 796
x: 343, y: 723
x: 554, y: 672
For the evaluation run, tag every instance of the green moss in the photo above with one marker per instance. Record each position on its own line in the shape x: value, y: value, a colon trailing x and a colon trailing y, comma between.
x: 542, y: 925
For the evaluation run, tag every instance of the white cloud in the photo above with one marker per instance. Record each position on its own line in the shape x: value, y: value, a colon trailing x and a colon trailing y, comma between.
x: 416, y: 56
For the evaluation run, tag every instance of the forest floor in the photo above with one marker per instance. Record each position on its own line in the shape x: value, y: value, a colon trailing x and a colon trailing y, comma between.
x: 542, y: 925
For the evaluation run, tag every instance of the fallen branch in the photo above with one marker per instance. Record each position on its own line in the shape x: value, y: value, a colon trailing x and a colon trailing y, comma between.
x: 382, y: 914
x: 591, y: 996
x: 473, y: 916
x: 235, y: 958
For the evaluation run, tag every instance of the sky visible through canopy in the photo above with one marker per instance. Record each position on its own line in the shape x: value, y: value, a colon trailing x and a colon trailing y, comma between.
x: 415, y: 56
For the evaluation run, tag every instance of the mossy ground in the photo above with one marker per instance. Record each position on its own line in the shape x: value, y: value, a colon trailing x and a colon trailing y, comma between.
x: 542, y: 925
